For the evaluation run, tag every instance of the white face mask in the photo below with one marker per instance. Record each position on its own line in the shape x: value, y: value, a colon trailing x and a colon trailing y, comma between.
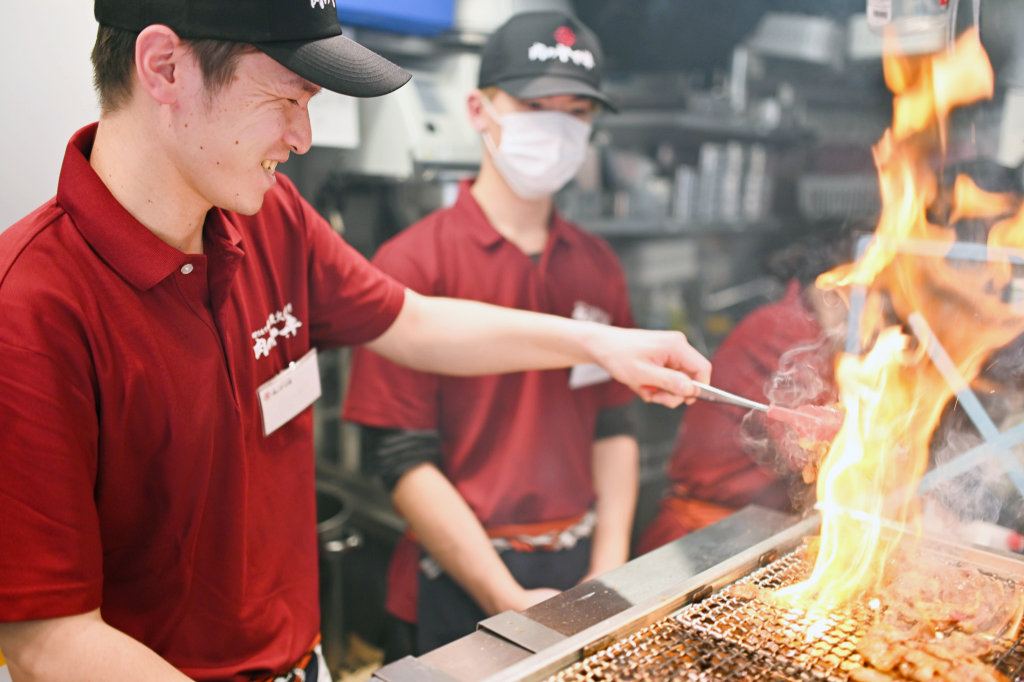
x: 540, y: 151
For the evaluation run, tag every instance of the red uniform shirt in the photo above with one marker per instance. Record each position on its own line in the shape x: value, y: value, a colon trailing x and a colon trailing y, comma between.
x: 712, y: 469
x: 517, y: 447
x: 134, y: 474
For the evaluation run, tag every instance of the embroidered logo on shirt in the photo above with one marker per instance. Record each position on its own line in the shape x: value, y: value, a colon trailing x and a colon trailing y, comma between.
x: 590, y: 313
x: 322, y: 3
x: 266, y: 338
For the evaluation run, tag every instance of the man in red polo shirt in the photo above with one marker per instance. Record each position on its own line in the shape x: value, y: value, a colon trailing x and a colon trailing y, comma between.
x: 160, y: 320
x: 518, y: 485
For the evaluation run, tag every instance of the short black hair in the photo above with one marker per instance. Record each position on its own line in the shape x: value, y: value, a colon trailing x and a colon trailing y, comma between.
x: 113, y: 63
x: 817, y: 251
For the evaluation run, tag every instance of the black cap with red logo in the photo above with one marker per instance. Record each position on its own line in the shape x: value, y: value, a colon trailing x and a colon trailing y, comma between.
x: 303, y: 35
x: 540, y: 54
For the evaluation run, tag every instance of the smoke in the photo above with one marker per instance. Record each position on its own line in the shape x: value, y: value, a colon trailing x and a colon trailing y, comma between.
x: 983, y: 493
x: 972, y: 496
x: 804, y: 377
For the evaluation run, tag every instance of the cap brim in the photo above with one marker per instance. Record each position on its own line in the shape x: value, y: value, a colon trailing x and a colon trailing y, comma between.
x: 549, y: 86
x: 340, y: 65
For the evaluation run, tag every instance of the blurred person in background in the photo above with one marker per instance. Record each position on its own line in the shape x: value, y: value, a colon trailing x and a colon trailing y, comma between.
x: 782, y: 353
x: 517, y: 486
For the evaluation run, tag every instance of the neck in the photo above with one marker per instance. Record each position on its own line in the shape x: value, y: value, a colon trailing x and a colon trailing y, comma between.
x: 522, y: 222
x: 135, y: 167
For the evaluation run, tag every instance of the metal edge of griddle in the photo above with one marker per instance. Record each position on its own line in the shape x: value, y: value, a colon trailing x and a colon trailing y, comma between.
x: 597, y: 637
x: 521, y: 631
x: 1003, y: 563
x: 410, y: 669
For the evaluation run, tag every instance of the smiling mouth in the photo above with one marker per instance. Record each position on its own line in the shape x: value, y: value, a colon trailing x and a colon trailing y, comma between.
x: 269, y: 166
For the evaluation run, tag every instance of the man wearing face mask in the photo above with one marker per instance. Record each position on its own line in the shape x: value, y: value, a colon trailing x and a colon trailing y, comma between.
x: 521, y: 485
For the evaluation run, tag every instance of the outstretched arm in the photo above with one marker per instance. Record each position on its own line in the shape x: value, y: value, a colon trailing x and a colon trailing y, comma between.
x: 466, y: 338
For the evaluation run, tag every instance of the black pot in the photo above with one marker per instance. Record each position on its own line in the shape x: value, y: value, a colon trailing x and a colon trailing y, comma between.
x: 332, y: 515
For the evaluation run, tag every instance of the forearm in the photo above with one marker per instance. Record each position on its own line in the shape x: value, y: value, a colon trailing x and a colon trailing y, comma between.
x: 616, y: 472
x: 449, y: 531
x: 82, y: 648
x: 467, y: 338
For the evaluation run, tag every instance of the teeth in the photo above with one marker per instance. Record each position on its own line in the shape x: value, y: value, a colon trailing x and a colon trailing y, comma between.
x: 269, y: 165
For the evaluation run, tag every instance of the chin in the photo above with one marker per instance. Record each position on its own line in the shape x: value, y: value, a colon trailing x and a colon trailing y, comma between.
x: 250, y: 207
x: 240, y: 203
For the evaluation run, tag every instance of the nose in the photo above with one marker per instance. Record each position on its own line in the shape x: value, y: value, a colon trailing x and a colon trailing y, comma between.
x: 299, y: 135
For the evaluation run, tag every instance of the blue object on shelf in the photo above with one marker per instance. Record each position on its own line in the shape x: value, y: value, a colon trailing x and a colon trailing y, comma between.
x: 419, y: 17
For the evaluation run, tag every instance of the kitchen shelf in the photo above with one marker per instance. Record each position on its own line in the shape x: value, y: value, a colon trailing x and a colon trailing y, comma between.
x: 667, y: 227
x: 724, y: 126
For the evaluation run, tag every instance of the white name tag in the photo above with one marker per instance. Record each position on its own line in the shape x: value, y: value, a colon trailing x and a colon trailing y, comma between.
x: 588, y: 374
x: 290, y: 392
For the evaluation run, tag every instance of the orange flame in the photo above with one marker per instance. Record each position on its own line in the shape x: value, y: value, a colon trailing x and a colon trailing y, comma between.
x: 894, y: 395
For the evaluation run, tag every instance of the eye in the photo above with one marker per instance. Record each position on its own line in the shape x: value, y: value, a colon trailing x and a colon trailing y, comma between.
x: 294, y: 101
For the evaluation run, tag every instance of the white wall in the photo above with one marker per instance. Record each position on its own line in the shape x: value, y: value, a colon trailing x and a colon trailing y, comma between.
x: 46, y: 95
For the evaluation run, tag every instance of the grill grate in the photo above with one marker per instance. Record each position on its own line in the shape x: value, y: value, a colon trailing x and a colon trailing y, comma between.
x: 728, y: 638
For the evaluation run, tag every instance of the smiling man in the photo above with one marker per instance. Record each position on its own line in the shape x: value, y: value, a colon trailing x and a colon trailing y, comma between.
x: 160, y: 320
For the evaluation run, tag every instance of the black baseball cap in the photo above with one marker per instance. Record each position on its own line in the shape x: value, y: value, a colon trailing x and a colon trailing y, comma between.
x: 303, y: 35
x: 540, y: 54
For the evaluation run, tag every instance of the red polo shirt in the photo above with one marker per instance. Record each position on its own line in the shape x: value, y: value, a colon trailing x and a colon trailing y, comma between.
x: 516, y: 446
x: 134, y: 474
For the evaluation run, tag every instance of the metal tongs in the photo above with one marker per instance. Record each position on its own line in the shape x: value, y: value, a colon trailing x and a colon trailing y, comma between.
x: 811, y: 422
x: 717, y: 395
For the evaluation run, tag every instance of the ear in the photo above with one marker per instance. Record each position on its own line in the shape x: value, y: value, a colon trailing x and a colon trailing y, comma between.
x: 158, y: 53
x: 478, y: 118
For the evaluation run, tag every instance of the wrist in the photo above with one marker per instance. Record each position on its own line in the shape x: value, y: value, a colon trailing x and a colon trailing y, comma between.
x: 609, y: 554
x: 507, y: 598
x: 587, y: 337
x: 605, y: 564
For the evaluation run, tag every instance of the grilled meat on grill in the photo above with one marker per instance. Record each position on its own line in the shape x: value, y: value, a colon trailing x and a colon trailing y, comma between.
x: 936, y: 624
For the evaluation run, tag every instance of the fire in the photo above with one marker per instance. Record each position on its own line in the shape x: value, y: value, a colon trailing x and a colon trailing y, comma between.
x: 917, y: 307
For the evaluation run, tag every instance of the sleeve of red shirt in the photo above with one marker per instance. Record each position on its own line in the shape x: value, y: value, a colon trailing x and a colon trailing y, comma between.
x: 51, y: 559
x: 384, y: 394
x: 351, y: 301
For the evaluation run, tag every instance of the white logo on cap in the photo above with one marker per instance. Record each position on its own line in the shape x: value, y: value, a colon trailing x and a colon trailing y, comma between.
x: 539, y: 52
x: 322, y: 3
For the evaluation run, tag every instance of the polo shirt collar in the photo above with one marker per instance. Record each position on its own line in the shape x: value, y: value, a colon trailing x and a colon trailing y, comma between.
x: 480, y: 227
x: 125, y: 244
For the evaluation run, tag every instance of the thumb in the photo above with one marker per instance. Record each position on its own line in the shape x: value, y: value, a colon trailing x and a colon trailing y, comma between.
x: 665, y: 380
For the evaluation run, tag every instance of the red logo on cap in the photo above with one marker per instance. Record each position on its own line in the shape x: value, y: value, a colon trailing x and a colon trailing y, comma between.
x: 565, y: 36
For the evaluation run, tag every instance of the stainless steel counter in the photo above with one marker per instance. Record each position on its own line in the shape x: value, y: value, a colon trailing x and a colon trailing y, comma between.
x: 562, y: 630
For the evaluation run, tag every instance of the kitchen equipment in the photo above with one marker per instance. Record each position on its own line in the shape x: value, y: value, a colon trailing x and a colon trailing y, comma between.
x: 332, y: 515
x: 801, y: 37
x: 915, y: 26
x: 908, y: 16
x: 420, y: 17
x: 838, y: 197
x: 422, y: 127
x: 672, y: 614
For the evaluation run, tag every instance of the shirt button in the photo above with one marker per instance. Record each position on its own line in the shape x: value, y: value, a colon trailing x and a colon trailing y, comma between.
x: 186, y: 268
